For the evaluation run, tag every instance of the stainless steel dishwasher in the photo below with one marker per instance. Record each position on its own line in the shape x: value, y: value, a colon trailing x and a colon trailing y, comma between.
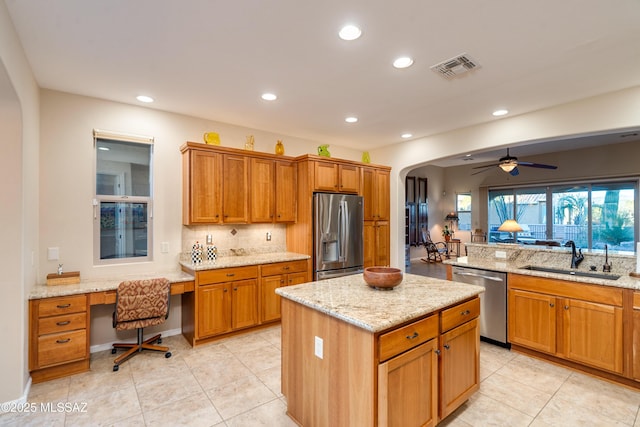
x: 493, y: 302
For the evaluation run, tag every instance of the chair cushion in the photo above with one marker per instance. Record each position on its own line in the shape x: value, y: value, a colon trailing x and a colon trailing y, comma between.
x: 141, y: 303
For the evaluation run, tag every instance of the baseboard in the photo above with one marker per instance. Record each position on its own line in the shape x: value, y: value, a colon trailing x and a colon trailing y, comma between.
x: 107, y: 346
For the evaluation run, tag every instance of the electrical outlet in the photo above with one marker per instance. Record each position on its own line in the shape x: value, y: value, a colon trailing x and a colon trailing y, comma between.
x: 501, y: 254
x: 318, y: 347
x: 268, y: 236
x: 164, y: 247
x: 209, y: 239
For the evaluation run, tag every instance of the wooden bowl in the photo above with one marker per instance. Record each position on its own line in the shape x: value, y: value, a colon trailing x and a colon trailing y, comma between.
x: 382, y: 277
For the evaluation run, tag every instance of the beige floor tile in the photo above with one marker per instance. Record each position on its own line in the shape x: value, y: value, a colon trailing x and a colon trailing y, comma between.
x: 151, y: 367
x: 561, y: 413
x: 240, y: 396
x: 260, y: 358
x: 482, y: 410
x: 207, y: 354
x: 271, y: 414
x: 92, y: 384
x: 51, y: 391
x: 106, y: 409
x: 601, y: 397
x: 245, y: 343
x: 166, y: 389
x: 272, y: 378
x: 536, y: 373
x: 134, y: 421
x: 215, y: 375
x: 514, y: 394
x: 33, y: 419
x: 273, y: 336
x: 196, y: 411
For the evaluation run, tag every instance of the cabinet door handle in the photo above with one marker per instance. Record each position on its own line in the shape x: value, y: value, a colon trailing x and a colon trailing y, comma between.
x: 281, y: 280
x: 551, y: 304
x: 66, y: 322
x: 414, y: 336
x: 63, y: 341
x: 438, y: 352
x: 464, y: 313
x: 285, y: 268
x: 225, y: 289
x: 446, y: 346
x: 231, y: 274
x: 235, y: 289
x: 63, y: 305
x: 566, y: 307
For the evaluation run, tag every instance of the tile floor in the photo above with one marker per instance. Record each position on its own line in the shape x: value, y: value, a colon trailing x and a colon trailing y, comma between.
x: 236, y: 382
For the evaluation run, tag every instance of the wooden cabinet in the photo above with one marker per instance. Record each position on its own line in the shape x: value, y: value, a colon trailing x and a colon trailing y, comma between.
x: 577, y: 322
x: 273, y: 276
x: 59, y: 337
x: 635, y: 337
x: 376, y: 243
x: 459, y: 355
x: 226, y: 300
x: 226, y: 185
x: 336, y: 177
x: 201, y: 187
x: 235, y: 185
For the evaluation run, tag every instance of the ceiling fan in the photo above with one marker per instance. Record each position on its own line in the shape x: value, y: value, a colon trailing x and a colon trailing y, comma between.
x: 510, y: 165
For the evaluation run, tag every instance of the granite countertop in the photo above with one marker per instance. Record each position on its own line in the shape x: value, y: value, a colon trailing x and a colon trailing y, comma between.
x: 101, y: 285
x: 552, y: 260
x: 350, y: 299
x: 244, y: 260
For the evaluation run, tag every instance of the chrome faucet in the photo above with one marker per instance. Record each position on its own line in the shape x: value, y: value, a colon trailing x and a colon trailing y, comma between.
x: 576, y: 258
x: 607, y: 265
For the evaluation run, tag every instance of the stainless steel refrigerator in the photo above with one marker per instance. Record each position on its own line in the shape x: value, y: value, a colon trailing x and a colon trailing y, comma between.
x: 338, y: 240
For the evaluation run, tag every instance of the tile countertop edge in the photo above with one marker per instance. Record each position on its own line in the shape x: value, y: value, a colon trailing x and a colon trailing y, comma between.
x: 245, y: 260
x: 101, y: 284
x: 351, y: 300
x: 625, y: 281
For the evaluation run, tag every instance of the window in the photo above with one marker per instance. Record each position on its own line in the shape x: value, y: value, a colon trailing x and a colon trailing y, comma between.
x: 463, y: 207
x: 592, y: 215
x: 122, y: 204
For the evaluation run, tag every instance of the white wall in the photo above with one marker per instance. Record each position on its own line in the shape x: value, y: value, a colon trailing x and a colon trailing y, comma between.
x: 609, y: 112
x: 19, y: 131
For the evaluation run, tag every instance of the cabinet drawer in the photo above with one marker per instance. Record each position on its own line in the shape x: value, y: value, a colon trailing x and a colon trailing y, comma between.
x: 284, y: 268
x: 402, y: 339
x: 67, y: 322
x: 62, y: 305
x: 63, y: 347
x: 227, y: 274
x: 461, y: 313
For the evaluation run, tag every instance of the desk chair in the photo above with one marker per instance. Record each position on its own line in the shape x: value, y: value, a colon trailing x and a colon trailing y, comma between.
x: 139, y: 304
x: 434, y: 249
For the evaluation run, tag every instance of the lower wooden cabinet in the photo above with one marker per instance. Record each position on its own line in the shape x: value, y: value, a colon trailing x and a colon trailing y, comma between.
x: 376, y: 243
x: 574, y: 321
x: 408, y: 388
x: 59, y: 336
x: 274, y: 276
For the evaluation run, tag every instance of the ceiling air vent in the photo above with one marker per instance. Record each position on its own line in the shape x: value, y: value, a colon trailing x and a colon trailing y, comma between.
x: 455, y: 66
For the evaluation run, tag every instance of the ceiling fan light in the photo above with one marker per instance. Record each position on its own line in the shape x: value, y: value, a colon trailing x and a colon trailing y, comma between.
x: 508, y: 166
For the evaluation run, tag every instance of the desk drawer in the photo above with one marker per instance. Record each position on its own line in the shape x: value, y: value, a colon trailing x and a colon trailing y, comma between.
x: 284, y: 268
x: 67, y: 322
x: 62, y: 305
x: 227, y: 274
x: 54, y: 349
x: 402, y: 339
x: 461, y: 313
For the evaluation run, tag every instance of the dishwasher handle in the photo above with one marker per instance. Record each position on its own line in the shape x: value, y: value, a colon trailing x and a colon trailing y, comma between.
x: 482, y: 276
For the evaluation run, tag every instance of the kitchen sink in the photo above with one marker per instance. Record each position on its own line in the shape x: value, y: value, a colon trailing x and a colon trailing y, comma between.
x: 592, y: 274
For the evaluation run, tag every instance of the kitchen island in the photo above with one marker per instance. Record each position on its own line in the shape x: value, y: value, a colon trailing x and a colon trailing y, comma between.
x: 358, y: 356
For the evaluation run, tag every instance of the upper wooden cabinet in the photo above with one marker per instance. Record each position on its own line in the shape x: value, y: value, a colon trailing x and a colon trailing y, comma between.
x: 227, y: 185
x: 201, y: 187
x: 336, y: 177
x: 375, y: 191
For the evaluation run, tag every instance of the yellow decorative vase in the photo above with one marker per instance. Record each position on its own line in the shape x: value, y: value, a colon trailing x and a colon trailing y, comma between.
x: 279, y: 148
x: 365, y: 157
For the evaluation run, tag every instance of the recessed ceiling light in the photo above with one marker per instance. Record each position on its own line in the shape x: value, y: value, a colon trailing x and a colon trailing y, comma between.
x: 269, y: 97
x: 403, y: 62
x: 350, y: 32
x: 406, y: 135
x: 499, y: 113
x: 351, y: 119
x: 144, y: 98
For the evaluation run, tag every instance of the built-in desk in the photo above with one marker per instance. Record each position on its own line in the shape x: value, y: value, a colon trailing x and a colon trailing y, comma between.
x: 60, y: 319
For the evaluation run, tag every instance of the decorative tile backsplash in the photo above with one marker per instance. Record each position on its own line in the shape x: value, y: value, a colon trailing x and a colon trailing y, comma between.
x: 250, y: 238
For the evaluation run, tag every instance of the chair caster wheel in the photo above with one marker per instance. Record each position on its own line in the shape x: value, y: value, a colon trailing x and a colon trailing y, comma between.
x: 113, y: 351
x: 115, y: 368
x: 159, y: 341
x: 167, y: 354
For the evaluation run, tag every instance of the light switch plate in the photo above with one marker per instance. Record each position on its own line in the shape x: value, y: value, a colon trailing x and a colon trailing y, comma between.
x: 164, y: 247
x: 53, y: 254
x: 209, y: 239
x: 318, y: 351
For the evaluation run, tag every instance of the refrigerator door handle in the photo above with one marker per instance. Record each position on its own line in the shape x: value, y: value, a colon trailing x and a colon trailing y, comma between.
x: 343, y: 211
